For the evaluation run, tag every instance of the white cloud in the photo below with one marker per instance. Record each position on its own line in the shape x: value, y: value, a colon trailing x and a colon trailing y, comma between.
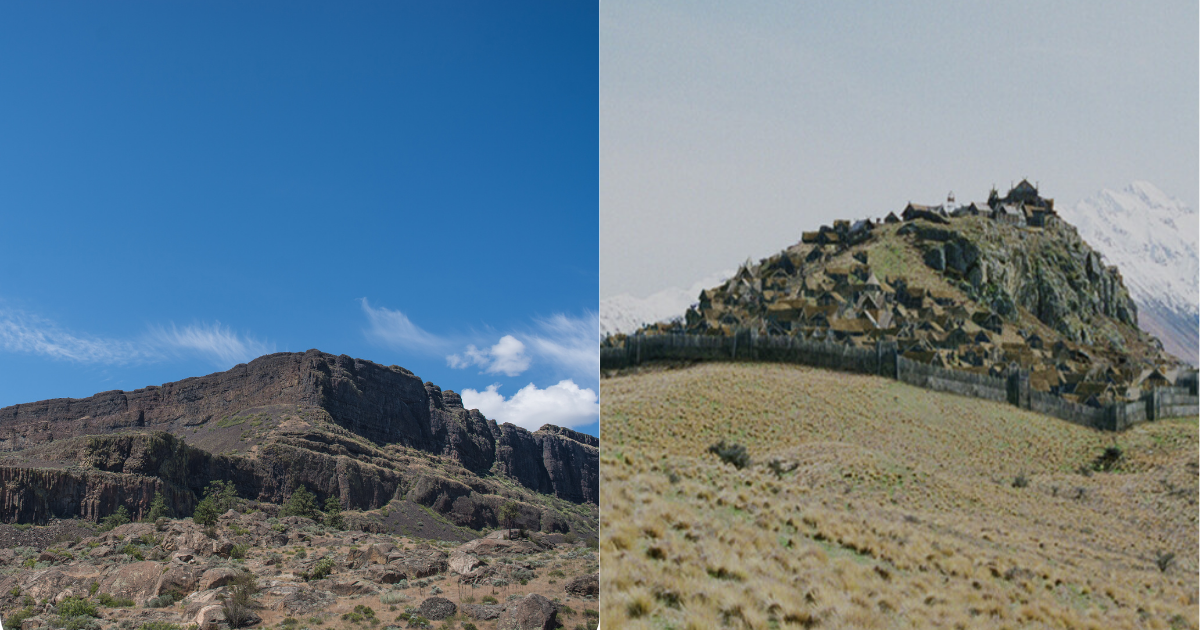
x: 571, y: 343
x: 24, y: 332
x: 221, y: 345
x: 506, y: 357
x: 564, y: 404
x: 395, y: 329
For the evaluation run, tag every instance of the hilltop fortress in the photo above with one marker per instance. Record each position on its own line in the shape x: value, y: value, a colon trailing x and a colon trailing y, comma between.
x: 992, y: 289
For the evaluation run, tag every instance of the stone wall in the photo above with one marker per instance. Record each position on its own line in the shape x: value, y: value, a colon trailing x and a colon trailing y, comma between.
x: 883, y: 359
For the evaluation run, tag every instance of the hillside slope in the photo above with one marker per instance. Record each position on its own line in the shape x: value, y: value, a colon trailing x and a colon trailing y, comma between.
x: 364, y: 433
x: 893, y: 507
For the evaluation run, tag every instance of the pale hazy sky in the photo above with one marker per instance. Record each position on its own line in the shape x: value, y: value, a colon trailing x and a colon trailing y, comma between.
x: 728, y: 128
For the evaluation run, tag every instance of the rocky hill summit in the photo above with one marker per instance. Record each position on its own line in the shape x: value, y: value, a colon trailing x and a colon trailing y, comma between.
x: 399, y: 455
x: 985, y: 287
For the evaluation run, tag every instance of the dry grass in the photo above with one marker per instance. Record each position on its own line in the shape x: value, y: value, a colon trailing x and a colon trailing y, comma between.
x: 901, y: 511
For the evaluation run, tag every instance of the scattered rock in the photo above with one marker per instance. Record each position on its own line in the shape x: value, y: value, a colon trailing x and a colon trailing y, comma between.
x: 463, y: 563
x: 355, y: 587
x: 437, y: 608
x: 482, y: 612
x: 584, y: 586
x: 306, y: 601
x: 534, y: 612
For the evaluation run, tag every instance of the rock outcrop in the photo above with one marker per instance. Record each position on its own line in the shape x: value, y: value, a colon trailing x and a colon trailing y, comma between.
x: 347, y: 428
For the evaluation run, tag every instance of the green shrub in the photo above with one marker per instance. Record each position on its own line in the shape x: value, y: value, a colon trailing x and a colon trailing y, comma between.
x: 14, y: 620
x: 393, y: 597
x: 333, y: 514
x: 236, y: 606
x: 133, y: 551
x: 300, y: 503
x: 731, y: 454
x: 76, y: 607
x: 320, y: 570
x: 289, y: 622
x: 1109, y: 460
x: 239, y: 551
x: 92, y: 588
x: 1164, y: 559
x: 108, y: 601
x: 164, y: 600
x: 116, y: 519
x: 158, y: 508
x: 488, y: 599
x: 206, y: 512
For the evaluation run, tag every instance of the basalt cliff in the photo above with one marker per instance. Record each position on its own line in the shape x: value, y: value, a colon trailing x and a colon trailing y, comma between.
x: 396, y: 452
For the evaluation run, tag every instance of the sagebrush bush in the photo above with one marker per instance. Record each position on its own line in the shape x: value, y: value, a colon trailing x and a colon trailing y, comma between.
x: 76, y: 607
x: 731, y: 454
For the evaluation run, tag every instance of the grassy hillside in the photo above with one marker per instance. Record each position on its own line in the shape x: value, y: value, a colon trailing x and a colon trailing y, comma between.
x: 893, y: 507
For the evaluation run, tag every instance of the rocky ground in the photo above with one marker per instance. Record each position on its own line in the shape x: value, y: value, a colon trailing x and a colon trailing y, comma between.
x: 293, y: 574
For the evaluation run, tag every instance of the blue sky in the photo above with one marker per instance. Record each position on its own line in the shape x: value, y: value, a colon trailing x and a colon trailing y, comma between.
x: 185, y: 186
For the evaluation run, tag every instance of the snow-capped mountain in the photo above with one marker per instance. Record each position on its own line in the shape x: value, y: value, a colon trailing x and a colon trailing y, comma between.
x: 1152, y: 239
x: 625, y: 313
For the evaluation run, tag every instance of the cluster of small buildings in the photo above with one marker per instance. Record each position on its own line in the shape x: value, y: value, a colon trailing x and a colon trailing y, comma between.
x: 1023, y: 206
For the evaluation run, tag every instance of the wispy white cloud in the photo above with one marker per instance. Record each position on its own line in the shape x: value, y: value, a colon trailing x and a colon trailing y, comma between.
x: 221, y: 345
x: 506, y: 357
x: 25, y: 332
x: 394, y: 328
x: 573, y: 344
x: 564, y: 404
x: 33, y: 334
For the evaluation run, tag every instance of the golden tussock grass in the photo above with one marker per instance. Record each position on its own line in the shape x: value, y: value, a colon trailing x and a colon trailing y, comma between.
x: 900, y: 512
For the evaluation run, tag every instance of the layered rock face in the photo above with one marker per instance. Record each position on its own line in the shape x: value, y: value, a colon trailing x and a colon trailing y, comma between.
x: 343, y: 427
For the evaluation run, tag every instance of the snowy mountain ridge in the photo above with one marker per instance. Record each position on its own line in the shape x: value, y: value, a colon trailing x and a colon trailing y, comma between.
x: 625, y: 313
x: 1152, y: 239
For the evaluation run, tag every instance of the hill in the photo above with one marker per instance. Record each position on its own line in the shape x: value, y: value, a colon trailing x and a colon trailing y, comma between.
x: 872, y: 504
x: 986, y: 288
x: 397, y: 453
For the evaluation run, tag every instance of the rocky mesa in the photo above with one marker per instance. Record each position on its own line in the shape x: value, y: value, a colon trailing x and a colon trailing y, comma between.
x: 395, y: 452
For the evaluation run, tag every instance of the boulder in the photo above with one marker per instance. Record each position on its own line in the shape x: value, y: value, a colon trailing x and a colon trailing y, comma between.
x: 463, y: 563
x: 388, y: 573
x: 482, y: 612
x: 584, y: 586
x: 353, y: 587
x: 208, y: 617
x: 221, y: 546
x: 196, y: 601
x: 499, y: 547
x: 181, y: 579
x: 135, y: 581
x: 303, y: 600
x: 532, y: 613
x: 214, y: 578
x: 421, y: 563
x: 437, y: 608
